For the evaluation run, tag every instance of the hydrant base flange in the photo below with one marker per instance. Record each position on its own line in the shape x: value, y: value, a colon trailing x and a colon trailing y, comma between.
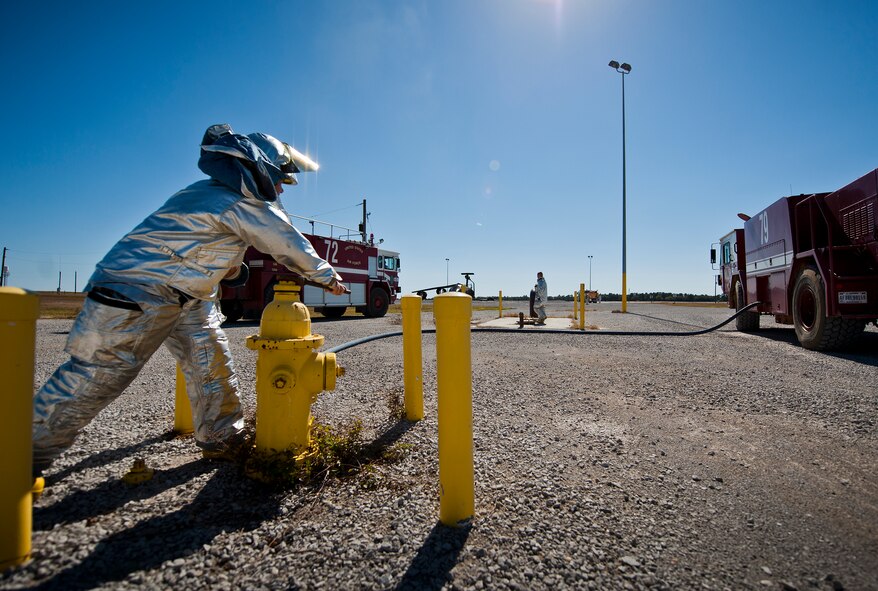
x: 313, y: 341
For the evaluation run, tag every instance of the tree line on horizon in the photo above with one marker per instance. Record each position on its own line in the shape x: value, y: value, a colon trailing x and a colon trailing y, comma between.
x: 655, y: 296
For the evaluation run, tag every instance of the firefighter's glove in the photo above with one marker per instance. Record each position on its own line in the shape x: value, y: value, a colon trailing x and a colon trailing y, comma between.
x: 236, y: 277
x: 337, y: 288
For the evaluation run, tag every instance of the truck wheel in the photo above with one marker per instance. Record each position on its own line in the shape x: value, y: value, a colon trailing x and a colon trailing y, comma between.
x: 748, y: 321
x: 332, y: 312
x: 377, y: 305
x: 268, y: 294
x: 814, y: 329
x: 232, y: 310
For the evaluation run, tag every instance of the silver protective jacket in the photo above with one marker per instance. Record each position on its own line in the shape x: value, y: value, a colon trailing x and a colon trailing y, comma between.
x: 200, y: 234
x: 541, y: 295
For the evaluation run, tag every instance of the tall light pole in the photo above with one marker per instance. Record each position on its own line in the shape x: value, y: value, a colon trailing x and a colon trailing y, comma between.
x: 446, y: 271
x: 623, y: 69
x: 589, y: 272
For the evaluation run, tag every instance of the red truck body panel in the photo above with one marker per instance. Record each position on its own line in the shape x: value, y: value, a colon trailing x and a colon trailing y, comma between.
x: 365, y: 269
x: 836, y: 233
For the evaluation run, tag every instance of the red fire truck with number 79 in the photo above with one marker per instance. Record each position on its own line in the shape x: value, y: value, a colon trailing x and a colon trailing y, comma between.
x: 810, y: 261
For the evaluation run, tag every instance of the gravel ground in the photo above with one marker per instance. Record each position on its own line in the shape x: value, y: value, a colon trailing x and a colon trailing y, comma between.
x: 722, y: 461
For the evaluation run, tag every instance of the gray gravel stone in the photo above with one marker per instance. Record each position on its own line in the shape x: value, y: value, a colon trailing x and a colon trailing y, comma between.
x: 601, y: 462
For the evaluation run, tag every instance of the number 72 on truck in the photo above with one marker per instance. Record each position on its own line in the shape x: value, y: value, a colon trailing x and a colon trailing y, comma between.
x: 370, y: 273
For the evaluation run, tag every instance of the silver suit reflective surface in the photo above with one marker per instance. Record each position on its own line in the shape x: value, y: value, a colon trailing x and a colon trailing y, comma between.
x: 159, y: 284
x: 541, y: 297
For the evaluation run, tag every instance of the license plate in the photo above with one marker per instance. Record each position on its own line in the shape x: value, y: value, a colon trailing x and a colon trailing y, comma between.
x: 852, y: 297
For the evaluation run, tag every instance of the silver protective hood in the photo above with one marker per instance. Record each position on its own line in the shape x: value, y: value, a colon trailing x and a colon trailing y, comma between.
x: 250, y: 164
x: 284, y: 156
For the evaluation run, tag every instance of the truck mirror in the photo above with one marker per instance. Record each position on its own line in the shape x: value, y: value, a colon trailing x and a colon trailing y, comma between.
x: 719, y: 280
x: 712, y: 256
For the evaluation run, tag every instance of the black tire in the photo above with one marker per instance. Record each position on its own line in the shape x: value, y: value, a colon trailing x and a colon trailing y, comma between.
x: 423, y: 295
x: 748, y: 321
x: 232, y: 310
x: 376, y: 307
x: 268, y: 294
x: 814, y: 329
x: 332, y: 312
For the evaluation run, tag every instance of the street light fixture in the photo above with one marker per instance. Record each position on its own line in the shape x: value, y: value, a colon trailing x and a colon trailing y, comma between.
x: 623, y: 69
x: 589, y: 273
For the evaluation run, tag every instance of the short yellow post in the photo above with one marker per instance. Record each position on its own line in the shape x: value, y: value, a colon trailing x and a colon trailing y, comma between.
x: 582, y: 296
x: 452, y: 313
x: 575, y: 304
x: 182, y: 407
x: 412, y: 359
x: 501, y: 304
x: 19, y: 310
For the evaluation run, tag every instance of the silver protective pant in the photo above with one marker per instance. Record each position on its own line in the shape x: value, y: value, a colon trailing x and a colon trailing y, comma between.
x: 541, y: 312
x: 108, y: 347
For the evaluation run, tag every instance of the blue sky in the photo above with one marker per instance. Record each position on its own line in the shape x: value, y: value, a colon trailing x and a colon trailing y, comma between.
x: 487, y: 132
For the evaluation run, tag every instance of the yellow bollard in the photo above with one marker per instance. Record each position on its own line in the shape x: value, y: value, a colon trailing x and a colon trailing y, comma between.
x: 582, y: 296
x: 412, y: 360
x: 289, y: 373
x: 575, y: 304
x: 453, y: 312
x: 182, y: 406
x: 19, y: 310
x: 501, y: 304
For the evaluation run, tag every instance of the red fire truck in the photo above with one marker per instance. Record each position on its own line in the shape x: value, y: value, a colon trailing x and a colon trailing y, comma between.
x: 370, y: 273
x: 810, y: 261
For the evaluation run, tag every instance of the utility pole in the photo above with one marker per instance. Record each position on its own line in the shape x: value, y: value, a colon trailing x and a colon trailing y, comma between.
x: 363, y: 225
x: 3, y: 269
x: 623, y: 69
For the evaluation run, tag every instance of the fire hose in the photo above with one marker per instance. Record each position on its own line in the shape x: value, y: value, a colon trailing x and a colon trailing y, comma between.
x: 642, y: 333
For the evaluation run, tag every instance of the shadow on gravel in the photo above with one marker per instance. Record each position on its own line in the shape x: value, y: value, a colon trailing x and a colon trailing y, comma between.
x: 431, y: 567
x: 174, y: 535
x: 864, y: 350
x: 108, y: 456
x: 387, y: 438
x: 112, y: 494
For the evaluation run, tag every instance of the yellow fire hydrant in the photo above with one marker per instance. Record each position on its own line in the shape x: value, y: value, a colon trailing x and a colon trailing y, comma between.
x: 290, y: 373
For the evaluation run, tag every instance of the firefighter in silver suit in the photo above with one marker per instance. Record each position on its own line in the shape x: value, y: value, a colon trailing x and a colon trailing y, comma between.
x: 541, y: 298
x: 159, y: 284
